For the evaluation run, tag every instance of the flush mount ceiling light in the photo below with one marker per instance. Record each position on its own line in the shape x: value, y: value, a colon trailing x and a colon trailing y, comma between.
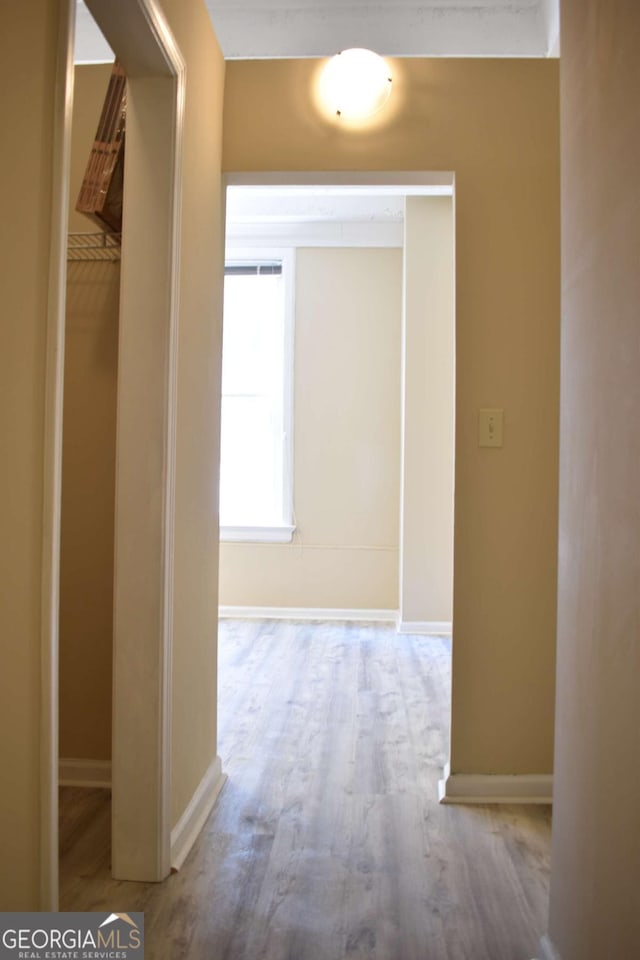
x: 355, y: 84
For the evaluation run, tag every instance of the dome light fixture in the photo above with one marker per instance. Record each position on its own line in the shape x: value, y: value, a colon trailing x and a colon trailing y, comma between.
x: 355, y: 84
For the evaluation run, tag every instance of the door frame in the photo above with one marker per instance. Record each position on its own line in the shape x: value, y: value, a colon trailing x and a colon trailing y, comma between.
x: 405, y: 184
x: 140, y: 36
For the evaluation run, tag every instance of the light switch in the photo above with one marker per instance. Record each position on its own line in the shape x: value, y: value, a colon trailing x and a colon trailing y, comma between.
x: 490, y: 428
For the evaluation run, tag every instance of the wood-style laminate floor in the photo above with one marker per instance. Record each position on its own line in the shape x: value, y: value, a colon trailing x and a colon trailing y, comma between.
x: 327, y: 841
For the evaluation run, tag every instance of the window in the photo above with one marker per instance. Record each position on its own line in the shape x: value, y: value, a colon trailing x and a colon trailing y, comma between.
x: 257, y: 380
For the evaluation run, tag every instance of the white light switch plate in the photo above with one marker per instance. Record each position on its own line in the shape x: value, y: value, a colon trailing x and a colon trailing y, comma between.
x: 490, y: 428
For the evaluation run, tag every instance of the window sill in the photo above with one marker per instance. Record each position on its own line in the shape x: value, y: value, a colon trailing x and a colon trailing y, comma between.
x: 283, y: 534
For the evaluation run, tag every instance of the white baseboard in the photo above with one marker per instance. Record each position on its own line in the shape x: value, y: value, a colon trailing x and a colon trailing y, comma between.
x: 186, y: 831
x: 425, y: 628
x: 494, y: 788
x: 306, y: 613
x: 84, y: 773
x: 547, y: 950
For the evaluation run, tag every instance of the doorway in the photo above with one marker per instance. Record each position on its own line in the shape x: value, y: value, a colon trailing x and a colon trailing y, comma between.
x: 373, y: 347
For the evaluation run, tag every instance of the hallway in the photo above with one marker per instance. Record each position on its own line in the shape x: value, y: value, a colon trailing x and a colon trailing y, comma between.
x: 327, y: 840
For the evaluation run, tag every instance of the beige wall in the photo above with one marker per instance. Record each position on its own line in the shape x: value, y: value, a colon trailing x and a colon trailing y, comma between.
x: 194, y: 664
x: 27, y: 49
x: 346, y: 443
x: 595, y: 883
x: 88, y: 489
x: 426, y: 542
x: 88, y: 468
x: 495, y: 123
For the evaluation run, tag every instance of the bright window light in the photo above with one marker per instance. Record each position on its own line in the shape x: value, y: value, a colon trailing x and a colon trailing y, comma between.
x: 255, y: 460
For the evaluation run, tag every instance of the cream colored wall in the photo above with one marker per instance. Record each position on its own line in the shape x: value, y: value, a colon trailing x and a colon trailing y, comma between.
x: 194, y: 664
x: 426, y: 540
x: 27, y: 48
x: 595, y: 880
x: 196, y: 523
x: 495, y: 123
x: 88, y: 468
x: 346, y: 443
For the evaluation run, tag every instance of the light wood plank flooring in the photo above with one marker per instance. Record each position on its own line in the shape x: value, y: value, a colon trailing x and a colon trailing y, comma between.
x: 327, y: 841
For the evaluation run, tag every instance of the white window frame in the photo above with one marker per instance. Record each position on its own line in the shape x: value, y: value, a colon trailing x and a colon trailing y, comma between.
x: 282, y: 533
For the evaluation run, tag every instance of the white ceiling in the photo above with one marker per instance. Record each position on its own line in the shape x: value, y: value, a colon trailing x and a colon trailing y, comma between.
x: 312, y: 211
x: 318, y: 203
x: 319, y: 28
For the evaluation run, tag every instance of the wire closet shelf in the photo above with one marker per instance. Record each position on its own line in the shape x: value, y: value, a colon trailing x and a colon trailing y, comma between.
x: 93, y: 246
